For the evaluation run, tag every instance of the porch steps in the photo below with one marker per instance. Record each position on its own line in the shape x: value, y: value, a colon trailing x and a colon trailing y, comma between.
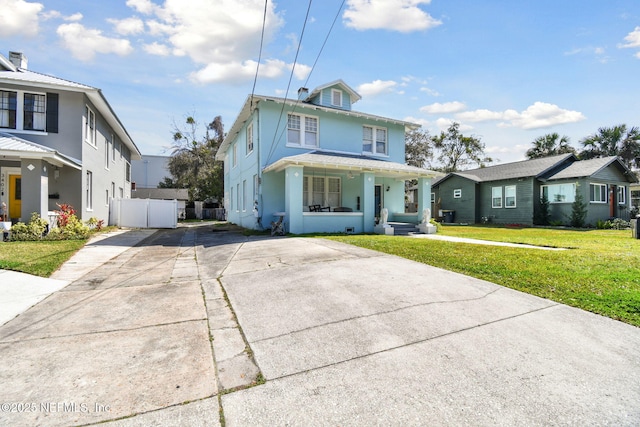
x: 403, y: 228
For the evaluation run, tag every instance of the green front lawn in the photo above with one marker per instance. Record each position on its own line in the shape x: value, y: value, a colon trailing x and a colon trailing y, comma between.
x: 600, y: 272
x: 39, y: 258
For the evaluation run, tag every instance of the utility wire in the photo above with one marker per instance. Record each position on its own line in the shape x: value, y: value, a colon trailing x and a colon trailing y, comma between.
x: 264, y: 20
x: 306, y: 81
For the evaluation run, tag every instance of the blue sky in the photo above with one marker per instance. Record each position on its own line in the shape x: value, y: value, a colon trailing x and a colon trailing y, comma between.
x: 507, y: 71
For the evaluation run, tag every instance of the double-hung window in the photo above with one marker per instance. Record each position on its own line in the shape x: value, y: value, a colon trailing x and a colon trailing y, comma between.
x: 89, y: 191
x: 302, y: 130
x: 8, y: 107
x: 249, y: 139
x: 235, y: 155
x: 35, y: 116
x: 336, y: 98
x: 510, y: 196
x: 90, y: 126
x: 622, y: 195
x: 374, y: 140
x: 598, y: 193
x: 496, y: 197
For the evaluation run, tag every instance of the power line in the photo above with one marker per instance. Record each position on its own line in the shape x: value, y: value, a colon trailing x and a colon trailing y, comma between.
x: 264, y: 20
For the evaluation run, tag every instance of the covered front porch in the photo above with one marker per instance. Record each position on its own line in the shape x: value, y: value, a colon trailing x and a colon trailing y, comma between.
x: 33, y: 178
x: 322, y: 192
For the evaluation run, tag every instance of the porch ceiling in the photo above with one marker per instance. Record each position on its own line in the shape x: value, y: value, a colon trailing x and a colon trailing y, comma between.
x: 351, y: 163
x: 14, y: 148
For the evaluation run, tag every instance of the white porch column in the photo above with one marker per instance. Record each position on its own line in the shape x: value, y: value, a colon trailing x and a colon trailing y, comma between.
x: 424, y: 196
x: 35, y: 188
x: 293, y: 179
x: 368, y: 202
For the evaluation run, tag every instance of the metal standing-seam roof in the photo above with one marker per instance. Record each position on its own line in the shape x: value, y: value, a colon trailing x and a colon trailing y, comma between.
x: 13, y: 146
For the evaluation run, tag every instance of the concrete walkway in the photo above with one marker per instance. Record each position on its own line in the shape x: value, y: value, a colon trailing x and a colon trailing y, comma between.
x: 339, y: 335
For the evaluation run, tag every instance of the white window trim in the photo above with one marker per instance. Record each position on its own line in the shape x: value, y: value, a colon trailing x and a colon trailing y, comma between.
x: 506, y: 205
x: 302, y: 131
x: 107, y: 152
x: 374, y: 143
x: 494, y: 198
x: 606, y: 193
x: 551, y: 201
x: 244, y: 195
x: 308, y: 191
x: 235, y: 155
x: 127, y: 172
x: 238, y: 197
x: 90, y: 135
x: 457, y: 193
x: 20, y: 112
x: 249, y: 138
x: 622, y: 191
x: 89, y: 190
x: 339, y: 93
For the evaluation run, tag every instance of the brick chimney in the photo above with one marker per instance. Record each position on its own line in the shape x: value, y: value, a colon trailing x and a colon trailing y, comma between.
x: 18, y: 59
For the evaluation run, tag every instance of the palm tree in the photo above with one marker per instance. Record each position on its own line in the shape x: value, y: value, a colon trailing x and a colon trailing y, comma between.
x: 614, y: 141
x: 550, y: 144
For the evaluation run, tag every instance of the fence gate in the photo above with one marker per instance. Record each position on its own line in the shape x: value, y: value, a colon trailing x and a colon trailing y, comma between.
x: 143, y: 213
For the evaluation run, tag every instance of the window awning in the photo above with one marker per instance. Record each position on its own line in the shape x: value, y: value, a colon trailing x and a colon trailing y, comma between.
x: 351, y: 163
x: 14, y: 148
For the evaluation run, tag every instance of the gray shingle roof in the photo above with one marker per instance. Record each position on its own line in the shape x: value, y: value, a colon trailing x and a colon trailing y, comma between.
x: 522, y: 169
x: 584, y: 168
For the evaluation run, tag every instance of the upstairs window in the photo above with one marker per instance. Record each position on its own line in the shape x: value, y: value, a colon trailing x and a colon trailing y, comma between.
x: 35, y: 117
x: 336, y: 98
x: 457, y: 193
x: 90, y: 126
x: 374, y: 140
x: 8, y: 107
x: 249, y: 139
x: 302, y: 130
x: 598, y: 193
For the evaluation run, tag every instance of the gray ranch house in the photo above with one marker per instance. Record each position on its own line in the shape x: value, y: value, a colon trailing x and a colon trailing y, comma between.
x: 511, y: 193
x: 60, y: 142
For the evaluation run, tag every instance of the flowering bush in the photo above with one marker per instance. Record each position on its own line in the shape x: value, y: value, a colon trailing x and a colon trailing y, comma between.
x: 35, y: 229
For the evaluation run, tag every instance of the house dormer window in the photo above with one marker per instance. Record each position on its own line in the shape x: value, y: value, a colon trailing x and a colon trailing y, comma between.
x: 374, y: 140
x: 302, y: 130
x: 35, y: 117
x: 336, y: 98
x: 8, y: 107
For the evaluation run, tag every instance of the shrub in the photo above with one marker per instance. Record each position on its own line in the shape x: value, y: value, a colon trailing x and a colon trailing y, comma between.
x: 578, y: 211
x: 35, y: 229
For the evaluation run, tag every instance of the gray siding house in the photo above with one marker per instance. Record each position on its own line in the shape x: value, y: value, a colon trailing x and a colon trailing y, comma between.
x: 512, y: 192
x: 60, y: 142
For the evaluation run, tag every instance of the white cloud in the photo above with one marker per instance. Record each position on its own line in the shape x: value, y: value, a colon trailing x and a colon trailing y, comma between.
x: 19, y: 17
x: 376, y: 87
x: 157, y: 49
x: 237, y: 72
x: 396, y: 15
x: 422, y: 122
x: 538, y: 115
x: 84, y: 43
x: 632, y: 39
x: 145, y: 7
x: 221, y: 35
x: 128, y: 26
x: 444, y: 108
x: 429, y: 91
x: 73, y: 18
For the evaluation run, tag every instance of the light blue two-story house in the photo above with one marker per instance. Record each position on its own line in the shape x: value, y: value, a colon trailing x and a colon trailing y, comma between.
x: 318, y: 164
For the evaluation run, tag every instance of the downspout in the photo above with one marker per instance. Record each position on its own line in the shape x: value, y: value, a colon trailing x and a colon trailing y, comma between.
x: 259, y: 208
x: 612, y: 202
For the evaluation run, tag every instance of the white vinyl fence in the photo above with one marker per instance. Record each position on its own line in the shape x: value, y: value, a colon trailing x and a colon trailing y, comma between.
x: 143, y: 213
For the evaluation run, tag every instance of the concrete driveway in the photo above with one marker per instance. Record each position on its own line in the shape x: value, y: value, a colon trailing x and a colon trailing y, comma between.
x: 339, y: 336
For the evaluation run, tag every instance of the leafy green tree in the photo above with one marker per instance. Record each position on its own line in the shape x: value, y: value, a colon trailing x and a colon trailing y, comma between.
x: 614, y: 141
x: 168, y: 182
x: 192, y: 161
x: 418, y: 148
x: 457, y: 152
x: 550, y: 144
